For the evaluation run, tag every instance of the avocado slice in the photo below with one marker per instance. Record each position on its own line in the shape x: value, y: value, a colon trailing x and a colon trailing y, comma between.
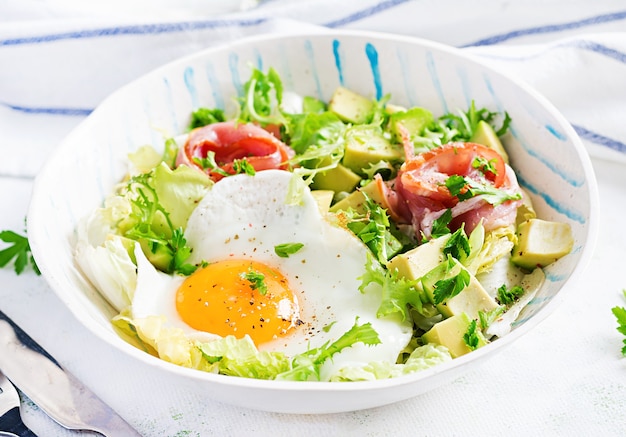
x: 351, y: 107
x: 419, y: 261
x: 413, y: 121
x: 541, y: 242
x: 356, y: 199
x: 336, y: 179
x: 450, y: 332
x: 472, y: 299
x: 486, y: 135
x: 367, y: 145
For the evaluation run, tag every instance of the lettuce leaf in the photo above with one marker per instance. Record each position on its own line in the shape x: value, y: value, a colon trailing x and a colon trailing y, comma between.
x: 421, y: 358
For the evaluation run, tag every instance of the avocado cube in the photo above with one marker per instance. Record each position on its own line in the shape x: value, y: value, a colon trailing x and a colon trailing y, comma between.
x: 350, y: 106
x: 485, y: 135
x: 413, y: 121
x: 356, y: 199
x: 419, y: 261
x: 367, y: 145
x: 450, y: 332
x: 472, y: 299
x: 541, y: 242
x: 336, y: 179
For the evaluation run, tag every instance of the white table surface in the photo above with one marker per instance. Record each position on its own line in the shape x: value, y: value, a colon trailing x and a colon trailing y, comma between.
x: 565, y: 378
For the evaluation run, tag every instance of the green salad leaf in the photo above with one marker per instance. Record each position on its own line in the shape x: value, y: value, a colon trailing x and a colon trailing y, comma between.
x: 18, y: 251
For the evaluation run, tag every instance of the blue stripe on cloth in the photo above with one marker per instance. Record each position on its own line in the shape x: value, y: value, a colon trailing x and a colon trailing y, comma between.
x: 143, y: 29
x: 577, y: 43
x: 50, y: 111
x: 598, y: 19
x: 601, y: 140
x: 365, y: 13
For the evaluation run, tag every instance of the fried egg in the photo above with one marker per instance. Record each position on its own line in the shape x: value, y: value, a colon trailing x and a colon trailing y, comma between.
x: 243, y: 287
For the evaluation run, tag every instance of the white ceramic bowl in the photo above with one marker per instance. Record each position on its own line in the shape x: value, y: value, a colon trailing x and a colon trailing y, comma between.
x: 549, y: 158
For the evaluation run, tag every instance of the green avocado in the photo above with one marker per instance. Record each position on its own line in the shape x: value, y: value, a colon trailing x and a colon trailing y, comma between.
x: 450, y: 333
x: 356, y: 199
x: 350, y: 106
x: 541, y: 242
x: 485, y: 135
x: 338, y: 179
x: 367, y: 145
x: 413, y: 121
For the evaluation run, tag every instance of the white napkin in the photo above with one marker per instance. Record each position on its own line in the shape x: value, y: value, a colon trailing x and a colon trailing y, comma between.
x: 60, y: 60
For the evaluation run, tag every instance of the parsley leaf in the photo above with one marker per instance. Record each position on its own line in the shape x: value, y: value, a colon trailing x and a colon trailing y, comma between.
x: 507, y: 296
x: 465, y: 188
x: 440, y: 225
x: 208, y: 163
x: 256, y: 279
x: 243, y: 166
x: 488, y: 317
x: 485, y: 166
x: 286, y: 249
x: 447, y: 288
x: 620, y: 315
x: 470, y: 337
x: 18, y: 251
x: 457, y: 245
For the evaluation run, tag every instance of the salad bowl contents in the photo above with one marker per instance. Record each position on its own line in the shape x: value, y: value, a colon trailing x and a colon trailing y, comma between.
x: 302, y: 236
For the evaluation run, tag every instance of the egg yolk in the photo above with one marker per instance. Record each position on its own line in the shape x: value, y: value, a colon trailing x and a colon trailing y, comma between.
x: 238, y: 297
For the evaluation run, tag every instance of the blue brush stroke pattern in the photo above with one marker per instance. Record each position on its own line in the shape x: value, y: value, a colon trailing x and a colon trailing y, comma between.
x: 409, y: 88
x: 143, y: 29
x: 338, y: 60
x: 598, y: 19
x: 570, y: 179
x: 559, y: 135
x: 218, y: 99
x: 434, y: 77
x: 308, y: 47
x: 169, y: 99
x: 372, y: 56
x: 190, y: 84
x: 233, y: 66
x: 553, y: 203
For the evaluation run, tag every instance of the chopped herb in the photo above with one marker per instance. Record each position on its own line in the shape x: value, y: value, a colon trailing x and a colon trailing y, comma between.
x: 440, y: 225
x: 620, y: 315
x: 507, y: 296
x: 256, y: 279
x: 464, y: 188
x: 470, y: 337
x: 208, y: 163
x: 449, y: 287
x: 485, y: 166
x: 243, y: 166
x: 286, y: 249
x: 457, y: 245
x: 488, y: 317
x: 19, y: 251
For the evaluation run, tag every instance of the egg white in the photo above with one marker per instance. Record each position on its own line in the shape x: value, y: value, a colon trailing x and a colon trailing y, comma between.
x: 245, y: 217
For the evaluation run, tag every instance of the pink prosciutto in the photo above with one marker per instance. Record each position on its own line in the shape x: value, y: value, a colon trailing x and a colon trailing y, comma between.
x: 230, y: 141
x: 422, y: 196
